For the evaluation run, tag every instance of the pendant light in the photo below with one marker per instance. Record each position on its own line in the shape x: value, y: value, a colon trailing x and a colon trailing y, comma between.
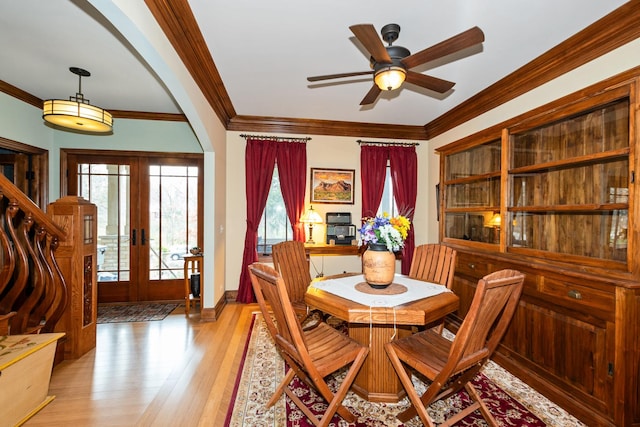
x: 77, y: 113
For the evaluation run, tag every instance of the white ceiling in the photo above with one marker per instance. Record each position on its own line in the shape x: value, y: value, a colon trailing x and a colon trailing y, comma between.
x: 265, y: 50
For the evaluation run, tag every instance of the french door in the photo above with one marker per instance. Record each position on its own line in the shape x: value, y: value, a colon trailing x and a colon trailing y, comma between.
x: 149, y: 215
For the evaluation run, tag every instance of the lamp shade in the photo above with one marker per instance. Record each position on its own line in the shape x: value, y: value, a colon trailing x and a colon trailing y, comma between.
x: 495, y: 220
x: 77, y: 115
x: 390, y: 78
x: 311, y: 217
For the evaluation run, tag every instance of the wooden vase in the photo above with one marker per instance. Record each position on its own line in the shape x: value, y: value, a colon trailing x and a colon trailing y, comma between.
x: 378, y: 266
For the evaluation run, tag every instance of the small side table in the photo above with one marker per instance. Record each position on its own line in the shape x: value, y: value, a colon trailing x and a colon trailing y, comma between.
x: 192, y: 264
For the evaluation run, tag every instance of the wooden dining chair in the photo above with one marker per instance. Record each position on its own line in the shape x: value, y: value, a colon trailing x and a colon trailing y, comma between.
x: 290, y: 260
x: 451, y: 365
x: 434, y: 263
x: 312, y: 355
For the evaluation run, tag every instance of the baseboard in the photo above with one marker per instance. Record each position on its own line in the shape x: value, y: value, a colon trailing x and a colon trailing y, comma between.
x: 231, y: 296
x: 209, y: 314
x: 212, y: 314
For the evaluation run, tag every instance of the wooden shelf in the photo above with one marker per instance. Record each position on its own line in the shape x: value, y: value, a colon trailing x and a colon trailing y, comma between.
x: 589, y: 207
x: 572, y: 162
x: 474, y: 178
x: 192, y: 265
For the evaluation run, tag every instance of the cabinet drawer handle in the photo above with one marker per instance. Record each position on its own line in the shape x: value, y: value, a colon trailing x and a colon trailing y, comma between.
x: 575, y: 294
x: 472, y: 266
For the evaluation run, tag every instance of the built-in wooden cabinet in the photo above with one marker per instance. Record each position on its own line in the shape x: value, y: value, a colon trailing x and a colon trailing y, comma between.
x: 472, y: 186
x: 552, y: 194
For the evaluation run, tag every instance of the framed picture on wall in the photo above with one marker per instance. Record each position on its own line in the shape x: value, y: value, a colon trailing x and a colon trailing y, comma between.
x: 332, y: 186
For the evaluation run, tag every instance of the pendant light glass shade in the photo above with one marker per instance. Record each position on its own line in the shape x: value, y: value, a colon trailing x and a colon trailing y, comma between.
x: 390, y: 78
x: 77, y: 113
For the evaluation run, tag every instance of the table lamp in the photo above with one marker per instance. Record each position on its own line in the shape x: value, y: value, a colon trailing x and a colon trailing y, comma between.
x: 311, y: 217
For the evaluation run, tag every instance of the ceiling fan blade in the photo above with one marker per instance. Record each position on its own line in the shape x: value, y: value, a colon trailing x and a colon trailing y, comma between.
x: 368, y: 36
x: 371, y: 96
x: 428, y: 82
x: 337, y: 76
x: 463, y: 40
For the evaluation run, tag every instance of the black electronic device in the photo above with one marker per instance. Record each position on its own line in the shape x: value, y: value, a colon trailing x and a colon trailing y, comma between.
x: 340, y: 230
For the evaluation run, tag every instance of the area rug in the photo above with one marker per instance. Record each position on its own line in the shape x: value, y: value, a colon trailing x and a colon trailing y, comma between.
x: 512, y: 402
x: 109, y: 313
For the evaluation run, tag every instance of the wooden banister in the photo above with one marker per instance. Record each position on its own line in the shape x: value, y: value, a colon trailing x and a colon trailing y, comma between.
x: 12, y: 192
x: 31, y: 284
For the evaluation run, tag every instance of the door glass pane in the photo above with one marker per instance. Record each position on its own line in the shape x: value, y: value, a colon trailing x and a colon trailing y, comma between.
x: 173, y: 219
x: 107, y: 186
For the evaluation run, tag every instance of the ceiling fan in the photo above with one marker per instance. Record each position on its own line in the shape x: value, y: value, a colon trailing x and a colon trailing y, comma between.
x: 391, y: 65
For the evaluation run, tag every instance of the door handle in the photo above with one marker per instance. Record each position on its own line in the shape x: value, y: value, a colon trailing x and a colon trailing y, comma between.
x: 133, y: 237
x: 142, y: 237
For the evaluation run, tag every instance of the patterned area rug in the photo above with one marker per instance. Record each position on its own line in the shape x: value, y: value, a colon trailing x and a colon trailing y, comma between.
x: 512, y: 402
x: 108, y: 313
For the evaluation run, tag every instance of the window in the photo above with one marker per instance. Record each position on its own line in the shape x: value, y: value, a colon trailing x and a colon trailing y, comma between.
x: 274, y: 225
x: 388, y: 202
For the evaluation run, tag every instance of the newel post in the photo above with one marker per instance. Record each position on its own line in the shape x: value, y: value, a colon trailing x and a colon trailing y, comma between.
x: 76, y: 257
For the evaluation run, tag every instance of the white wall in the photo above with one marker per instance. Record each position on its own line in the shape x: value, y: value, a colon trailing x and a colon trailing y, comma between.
x: 128, y: 135
x: 23, y: 123
x: 322, y: 152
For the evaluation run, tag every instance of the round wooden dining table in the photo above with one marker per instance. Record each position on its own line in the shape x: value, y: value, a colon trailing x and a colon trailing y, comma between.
x: 377, y: 381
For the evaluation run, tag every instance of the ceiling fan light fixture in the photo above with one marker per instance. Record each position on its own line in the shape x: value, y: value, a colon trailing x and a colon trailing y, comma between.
x: 77, y: 113
x: 390, y: 78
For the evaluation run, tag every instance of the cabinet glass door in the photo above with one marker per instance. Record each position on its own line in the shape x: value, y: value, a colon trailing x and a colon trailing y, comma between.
x: 472, y: 194
x: 572, y: 177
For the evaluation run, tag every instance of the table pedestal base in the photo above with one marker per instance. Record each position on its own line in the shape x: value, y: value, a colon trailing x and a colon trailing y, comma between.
x: 377, y: 381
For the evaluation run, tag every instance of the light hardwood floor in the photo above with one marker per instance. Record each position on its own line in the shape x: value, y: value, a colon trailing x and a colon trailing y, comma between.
x: 174, y: 372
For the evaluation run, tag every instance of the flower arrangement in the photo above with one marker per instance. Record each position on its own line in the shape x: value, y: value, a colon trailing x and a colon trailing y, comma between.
x: 385, y: 230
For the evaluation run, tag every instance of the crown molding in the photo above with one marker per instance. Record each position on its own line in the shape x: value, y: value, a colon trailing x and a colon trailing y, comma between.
x: 181, y: 29
x: 142, y: 115
x: 608, y: 33
x: 20, y: 94
x: 325, y: 127
x: 120, y: 114
x: 180, y: 26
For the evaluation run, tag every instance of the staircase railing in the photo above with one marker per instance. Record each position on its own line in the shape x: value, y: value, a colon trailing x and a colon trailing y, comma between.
x: 31, y: 284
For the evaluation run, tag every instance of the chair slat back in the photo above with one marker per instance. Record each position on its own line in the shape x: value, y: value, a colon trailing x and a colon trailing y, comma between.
x: 433, y: 263
x: 287, y: 331
x: 290, y: 260
x: 494, y: 304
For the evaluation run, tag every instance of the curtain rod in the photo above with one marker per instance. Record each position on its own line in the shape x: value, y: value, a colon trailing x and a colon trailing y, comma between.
x: 401, y: 144
x: 275, y: 138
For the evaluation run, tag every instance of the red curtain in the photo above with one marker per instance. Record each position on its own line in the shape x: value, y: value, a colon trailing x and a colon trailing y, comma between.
x: 403, y: 163
x: 260, y: 159
x: 373, y: 163
x: 292, y: 169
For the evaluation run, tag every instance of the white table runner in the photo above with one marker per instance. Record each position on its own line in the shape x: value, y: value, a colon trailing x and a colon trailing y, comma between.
x: 345, y: 287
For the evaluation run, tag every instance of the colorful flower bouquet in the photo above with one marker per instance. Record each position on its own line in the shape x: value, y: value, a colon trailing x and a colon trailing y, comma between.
x: 385, y: 230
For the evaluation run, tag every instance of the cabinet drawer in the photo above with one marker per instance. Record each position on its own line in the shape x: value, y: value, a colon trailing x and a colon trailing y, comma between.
x: 472, y: 266
x: 578, y: 297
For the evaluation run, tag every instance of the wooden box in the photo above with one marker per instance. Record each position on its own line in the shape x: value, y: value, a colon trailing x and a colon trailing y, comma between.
x: 26, y: 362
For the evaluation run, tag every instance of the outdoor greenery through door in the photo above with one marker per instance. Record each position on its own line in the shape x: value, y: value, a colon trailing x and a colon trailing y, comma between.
x: 149, y: 216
